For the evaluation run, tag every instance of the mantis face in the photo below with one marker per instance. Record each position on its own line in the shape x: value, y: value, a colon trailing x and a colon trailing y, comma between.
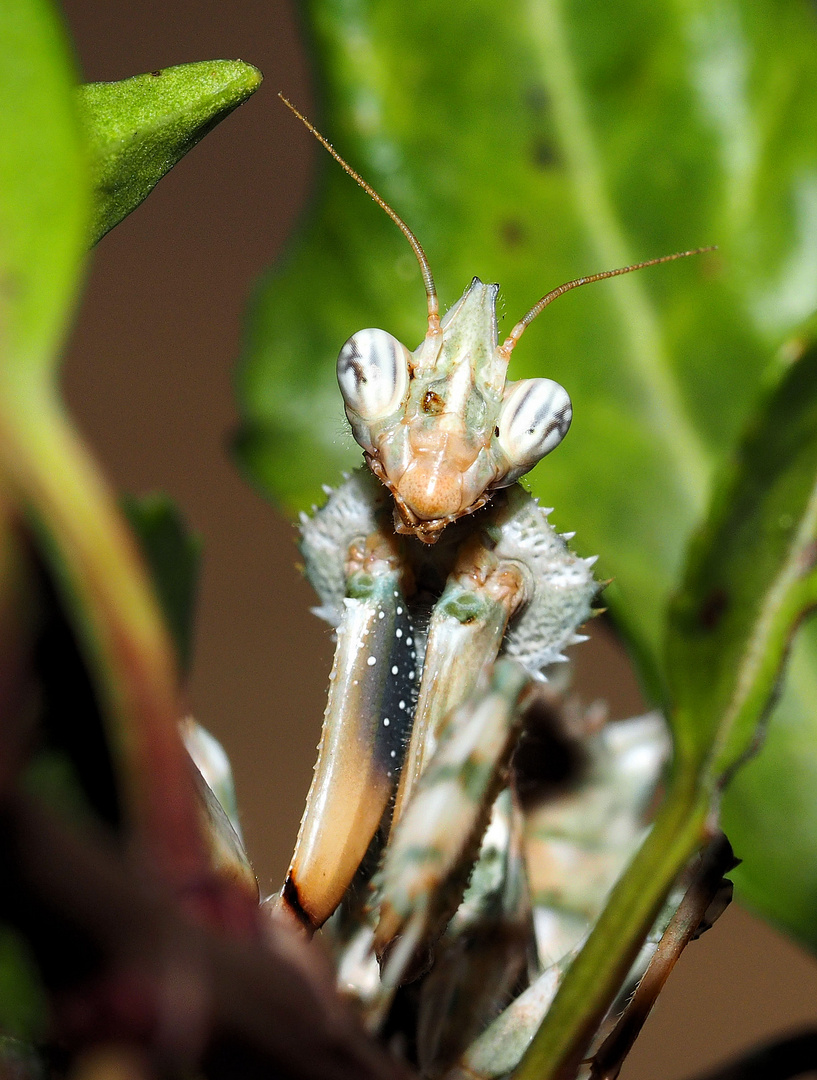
x: 440, y: 426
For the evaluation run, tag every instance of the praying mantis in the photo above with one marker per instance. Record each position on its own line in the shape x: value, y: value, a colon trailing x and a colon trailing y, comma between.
x: 453, y: 905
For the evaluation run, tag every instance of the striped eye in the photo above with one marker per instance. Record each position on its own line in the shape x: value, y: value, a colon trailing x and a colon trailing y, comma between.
x: 373, y: 373
x: 534, y: 419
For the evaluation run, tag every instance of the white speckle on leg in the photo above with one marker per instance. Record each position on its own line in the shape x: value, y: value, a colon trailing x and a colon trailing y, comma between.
x: 372, y: 661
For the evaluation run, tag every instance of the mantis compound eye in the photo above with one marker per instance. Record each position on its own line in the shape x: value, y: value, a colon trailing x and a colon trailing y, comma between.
x: 534, y: 419
x: 373, y: 374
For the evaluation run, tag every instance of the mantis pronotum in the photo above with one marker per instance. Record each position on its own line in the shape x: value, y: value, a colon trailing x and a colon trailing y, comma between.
x: 451, y: 596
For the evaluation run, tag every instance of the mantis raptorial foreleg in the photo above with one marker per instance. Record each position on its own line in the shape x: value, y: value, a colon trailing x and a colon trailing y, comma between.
x: 465, y: 633
x: 432, y: 850
x: 487, y: 954
x: 356, y: 564
x: 506, y: 564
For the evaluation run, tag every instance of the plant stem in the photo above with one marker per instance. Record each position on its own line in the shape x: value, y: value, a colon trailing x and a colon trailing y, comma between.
x: 106, y: 592
x: 598, y: 971
x: 704, y: 890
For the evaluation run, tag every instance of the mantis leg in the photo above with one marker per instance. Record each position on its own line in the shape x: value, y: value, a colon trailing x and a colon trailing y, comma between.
x: 513, y: 571
x: 487, y: 953
x: 364, y: 728
x: 431, y: 852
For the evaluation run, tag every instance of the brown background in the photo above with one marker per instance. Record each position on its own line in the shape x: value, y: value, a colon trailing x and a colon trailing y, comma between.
x: 148, y: 376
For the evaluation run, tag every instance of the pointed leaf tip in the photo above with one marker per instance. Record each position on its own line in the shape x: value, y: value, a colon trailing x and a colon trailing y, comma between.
x: 139, y: 128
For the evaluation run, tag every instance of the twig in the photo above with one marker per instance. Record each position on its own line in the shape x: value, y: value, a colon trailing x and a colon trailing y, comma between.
x: 716, y: 860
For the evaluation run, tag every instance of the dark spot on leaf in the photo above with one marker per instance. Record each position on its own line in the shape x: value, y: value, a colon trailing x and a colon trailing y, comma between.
x: 713, y: 609
x: 537, y: 99
x: 433, y: 403
x: 543, y: 154
x: 157, y: 72
x: 511, y: 233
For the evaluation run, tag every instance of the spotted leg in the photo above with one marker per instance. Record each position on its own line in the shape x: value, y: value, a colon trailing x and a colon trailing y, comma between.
x: 364, y: 725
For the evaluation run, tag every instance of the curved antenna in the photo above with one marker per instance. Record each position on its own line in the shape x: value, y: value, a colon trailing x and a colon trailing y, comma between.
x: 428, y: 280
x: 516, y: 333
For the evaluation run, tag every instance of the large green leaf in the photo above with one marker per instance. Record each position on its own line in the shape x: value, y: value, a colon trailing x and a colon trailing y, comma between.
x: 140, y: 127
x: 769, y: 810
x: 529, y: 143
x: 751, y: 576
x: 43, y: 199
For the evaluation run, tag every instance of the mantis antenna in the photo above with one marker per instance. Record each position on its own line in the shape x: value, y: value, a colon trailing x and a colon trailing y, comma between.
x: 428, y: 280
x: 516, y: 333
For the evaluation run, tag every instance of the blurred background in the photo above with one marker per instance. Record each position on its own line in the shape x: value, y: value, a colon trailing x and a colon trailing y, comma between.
x: 149, y: 379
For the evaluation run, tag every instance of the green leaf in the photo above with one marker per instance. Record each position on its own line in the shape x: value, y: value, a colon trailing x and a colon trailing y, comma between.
x: 750, y: 578
x: 43, y: 199
x: 569, y: 138
x: 769, y: 810
x: 23, y: 1009
x: 53, y: 781
x: 173, y: 556
x: 44, y: 466
x: 140, y: 127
